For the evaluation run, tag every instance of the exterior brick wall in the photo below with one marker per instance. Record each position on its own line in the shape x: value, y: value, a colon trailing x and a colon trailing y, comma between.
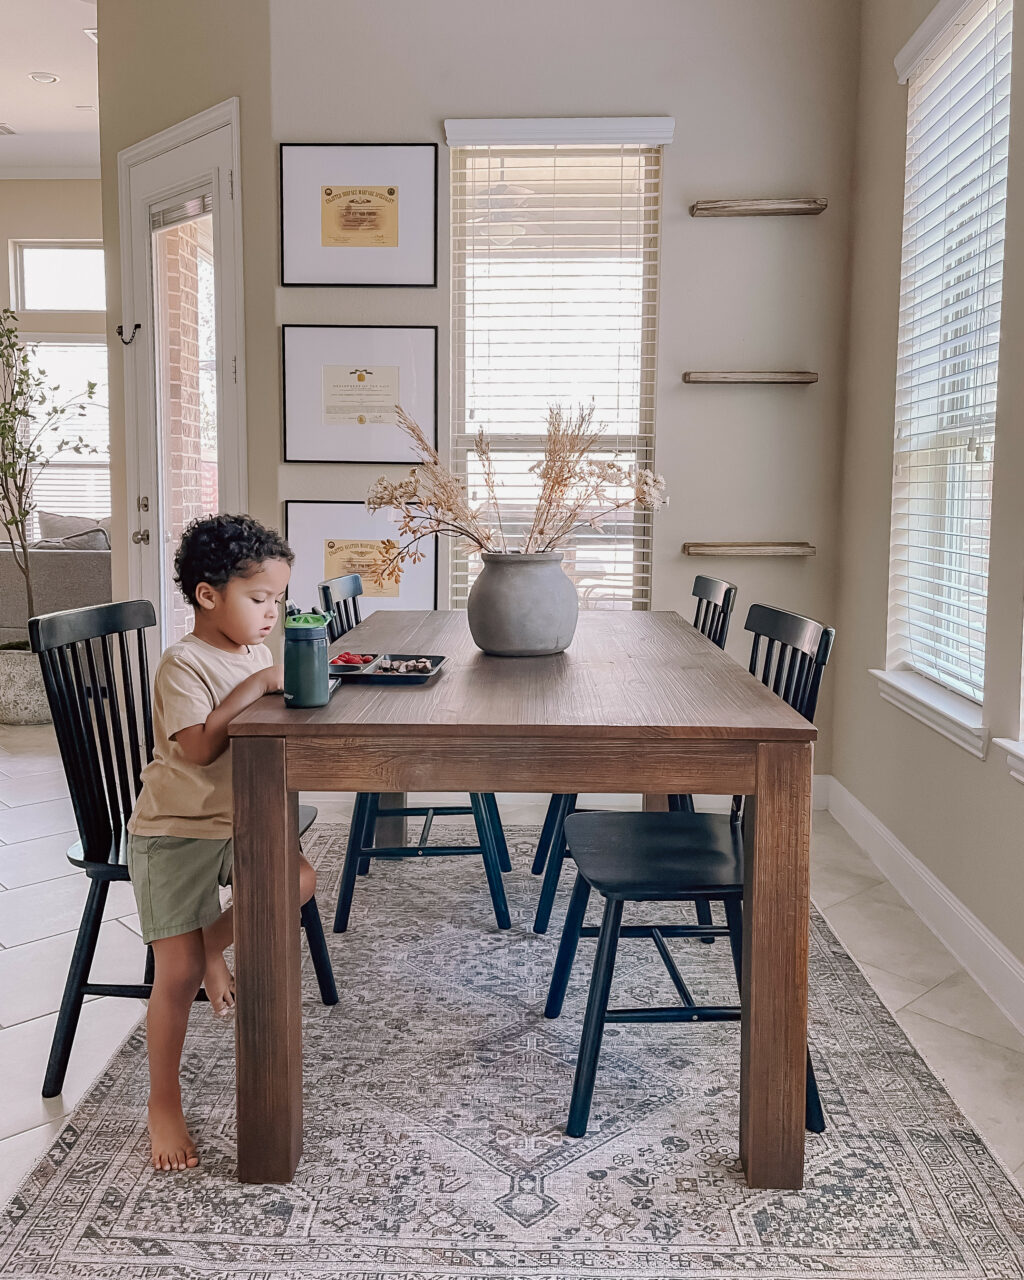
x: 188, y: 490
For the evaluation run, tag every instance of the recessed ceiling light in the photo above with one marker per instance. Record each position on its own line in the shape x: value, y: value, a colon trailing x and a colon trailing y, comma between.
x: 91, y: 32
x: 43, y: 77
x: 5, y: 128
x: 85, y: 106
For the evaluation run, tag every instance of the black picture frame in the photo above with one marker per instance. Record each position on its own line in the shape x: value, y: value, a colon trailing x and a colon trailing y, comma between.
x: 432, y: 435
x: 367, y: 605
x: 354, y: 284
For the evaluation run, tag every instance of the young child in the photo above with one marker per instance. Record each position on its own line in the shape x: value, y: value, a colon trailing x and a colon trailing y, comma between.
x: 234, y: 573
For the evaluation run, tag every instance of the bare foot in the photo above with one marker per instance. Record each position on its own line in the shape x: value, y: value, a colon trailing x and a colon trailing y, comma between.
x: 173, y: 1147
x: 219, y: 983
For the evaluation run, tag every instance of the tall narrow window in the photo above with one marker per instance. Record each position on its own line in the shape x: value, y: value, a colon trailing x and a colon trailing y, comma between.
x: 554, y: 300
x: 948, y: 359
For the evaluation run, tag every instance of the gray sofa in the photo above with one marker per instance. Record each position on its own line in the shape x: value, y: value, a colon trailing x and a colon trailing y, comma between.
x: 60, y: 580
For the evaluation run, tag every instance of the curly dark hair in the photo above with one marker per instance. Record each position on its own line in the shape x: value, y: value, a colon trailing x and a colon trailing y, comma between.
x: 215, y: 549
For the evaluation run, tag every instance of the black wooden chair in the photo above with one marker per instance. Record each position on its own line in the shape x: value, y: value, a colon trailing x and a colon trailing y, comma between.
x: 715, y: 601
x: 97, y: 684
x: 676, y: 857
x: 339, y: 598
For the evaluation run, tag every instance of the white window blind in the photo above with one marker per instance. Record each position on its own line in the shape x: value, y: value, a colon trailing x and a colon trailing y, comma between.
x: 554, y: 300
x: 948, y: 356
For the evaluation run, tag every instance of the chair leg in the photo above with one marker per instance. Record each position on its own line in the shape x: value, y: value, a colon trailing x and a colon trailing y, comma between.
x: 814, y: 1116
x: 704, y: 916
x: 492, y: 867
x: 593, y: 1022
x: 546, y: 837
x: 491, y: 804
x: 567, y: 947
x: 369, y: 833
x: 352, y: 860
x: 553, y: 870
x: 150, y: 969
x: 78, y: 976
x: 317, y: 943
x: 734, y: 919
x: 681, y: 804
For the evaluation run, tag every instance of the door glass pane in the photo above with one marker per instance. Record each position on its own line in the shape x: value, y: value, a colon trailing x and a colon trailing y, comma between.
x: 186, y: 363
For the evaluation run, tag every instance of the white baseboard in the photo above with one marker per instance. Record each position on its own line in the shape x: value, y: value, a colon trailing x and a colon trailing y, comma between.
x: 992, y: 965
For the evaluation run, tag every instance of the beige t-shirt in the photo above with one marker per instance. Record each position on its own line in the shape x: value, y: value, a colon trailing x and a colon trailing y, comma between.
x: 179, y: 798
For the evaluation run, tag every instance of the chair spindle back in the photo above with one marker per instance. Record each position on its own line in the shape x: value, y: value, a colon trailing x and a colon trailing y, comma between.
x: 715, y: 600
x: 339, y: 597
x: 96, y: 674
x: 795, y: 653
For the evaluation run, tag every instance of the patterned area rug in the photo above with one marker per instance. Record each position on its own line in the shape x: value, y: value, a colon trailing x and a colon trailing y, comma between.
x: 436, y: 1097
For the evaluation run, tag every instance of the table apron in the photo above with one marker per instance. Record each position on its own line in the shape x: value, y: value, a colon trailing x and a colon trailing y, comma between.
x: 504, y: 763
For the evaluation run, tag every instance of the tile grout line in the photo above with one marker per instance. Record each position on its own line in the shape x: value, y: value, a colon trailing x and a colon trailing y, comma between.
x: 950, y: 1027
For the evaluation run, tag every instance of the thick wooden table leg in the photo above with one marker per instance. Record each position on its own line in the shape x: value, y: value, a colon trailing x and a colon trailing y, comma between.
x: 775, y: 921
x: 268, y: 1028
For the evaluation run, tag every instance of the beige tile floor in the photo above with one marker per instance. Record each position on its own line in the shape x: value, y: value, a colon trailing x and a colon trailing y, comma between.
x: 963, y: 1037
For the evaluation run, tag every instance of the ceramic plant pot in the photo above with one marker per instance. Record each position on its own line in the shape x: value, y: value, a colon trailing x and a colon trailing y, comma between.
x: 22, y: 695
x: 522, y: 605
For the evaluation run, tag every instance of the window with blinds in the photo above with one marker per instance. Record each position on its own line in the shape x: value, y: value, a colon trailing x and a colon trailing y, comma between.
x: 554, y: 301
x: 75, y: 484
x: 948, y: 357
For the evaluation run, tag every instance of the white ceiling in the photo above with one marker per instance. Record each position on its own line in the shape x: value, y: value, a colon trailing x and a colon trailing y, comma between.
x: 52, y: 139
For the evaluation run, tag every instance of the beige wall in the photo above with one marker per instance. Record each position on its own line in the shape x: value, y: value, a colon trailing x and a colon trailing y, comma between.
x: 961, y: 816
x: 49, y: 210
x: 763, y: 96
x: 159, y: 64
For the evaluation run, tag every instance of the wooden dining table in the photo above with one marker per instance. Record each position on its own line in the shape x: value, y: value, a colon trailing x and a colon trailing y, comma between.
x: 640, y: 703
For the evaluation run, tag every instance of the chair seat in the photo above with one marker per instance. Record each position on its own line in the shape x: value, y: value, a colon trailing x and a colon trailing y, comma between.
x: 657, y: 856
x: 115, y: 867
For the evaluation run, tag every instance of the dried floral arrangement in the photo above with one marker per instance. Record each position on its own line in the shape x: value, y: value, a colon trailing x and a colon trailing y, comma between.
x: 575, y: 490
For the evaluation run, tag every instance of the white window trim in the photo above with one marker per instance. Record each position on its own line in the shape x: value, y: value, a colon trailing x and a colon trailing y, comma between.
x: 933, y: 32
x: 16, y: 275
x: 1014, y: 756
x: 954, y: 716
x: 644, y: 131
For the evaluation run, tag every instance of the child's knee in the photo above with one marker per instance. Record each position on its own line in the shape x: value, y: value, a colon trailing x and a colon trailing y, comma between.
x: 179, y: 966
x: 307, y: 881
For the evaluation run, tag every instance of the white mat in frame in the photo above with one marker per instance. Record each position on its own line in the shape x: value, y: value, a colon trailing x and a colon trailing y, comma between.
x: 309, y: 526
x: 394, y: 364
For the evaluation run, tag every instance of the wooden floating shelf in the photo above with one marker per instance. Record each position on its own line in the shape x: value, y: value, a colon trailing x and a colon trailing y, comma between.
x: 755, y: 208
x: 765, y: 375
x: 749, y: 549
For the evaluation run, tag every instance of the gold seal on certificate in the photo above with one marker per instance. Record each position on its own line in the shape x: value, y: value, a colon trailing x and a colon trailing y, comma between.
x: 362, y: 556
x: 356, y: 397
x: 359, y: 217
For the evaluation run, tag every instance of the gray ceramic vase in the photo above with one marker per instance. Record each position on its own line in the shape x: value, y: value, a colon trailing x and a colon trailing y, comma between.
x: 522, y: 606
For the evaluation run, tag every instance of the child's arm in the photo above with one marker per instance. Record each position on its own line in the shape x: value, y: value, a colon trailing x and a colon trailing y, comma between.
x: 203, y: 743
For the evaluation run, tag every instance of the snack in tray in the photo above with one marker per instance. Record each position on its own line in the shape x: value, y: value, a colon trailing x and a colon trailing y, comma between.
x: 406, y: 667
x: 351, y: 659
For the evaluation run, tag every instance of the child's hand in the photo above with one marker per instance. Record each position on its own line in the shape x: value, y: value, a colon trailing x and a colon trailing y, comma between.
x: 273, y: 678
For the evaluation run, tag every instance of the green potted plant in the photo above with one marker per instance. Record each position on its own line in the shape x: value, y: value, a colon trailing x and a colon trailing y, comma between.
x: 31, y: 412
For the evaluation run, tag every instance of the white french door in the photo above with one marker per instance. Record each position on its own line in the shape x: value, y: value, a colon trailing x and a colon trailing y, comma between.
x: 184, y: 392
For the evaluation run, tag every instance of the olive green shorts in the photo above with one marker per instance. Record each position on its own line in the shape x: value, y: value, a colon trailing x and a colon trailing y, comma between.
x: 176, y: 881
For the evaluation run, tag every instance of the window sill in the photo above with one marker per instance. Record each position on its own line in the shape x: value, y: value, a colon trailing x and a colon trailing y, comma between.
x: 955, y: 717
x: 1014, y: 756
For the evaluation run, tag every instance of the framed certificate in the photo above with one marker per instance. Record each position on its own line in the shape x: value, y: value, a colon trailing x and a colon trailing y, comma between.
x: 359, y: 213
x: 341, y: 385
x: 333, y: 538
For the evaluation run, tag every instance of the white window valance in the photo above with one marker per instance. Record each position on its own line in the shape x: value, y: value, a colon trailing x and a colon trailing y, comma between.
x: 644, y: 131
